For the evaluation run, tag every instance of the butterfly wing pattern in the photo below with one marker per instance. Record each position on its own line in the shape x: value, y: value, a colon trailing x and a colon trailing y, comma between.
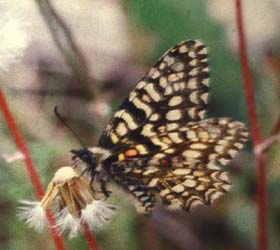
x: 159, y: 144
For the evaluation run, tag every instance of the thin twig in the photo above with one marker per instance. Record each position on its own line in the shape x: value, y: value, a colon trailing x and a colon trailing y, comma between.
x: 31, y: 169
x: 65, y: 42
x: 266, y: 144
x: 256, y: 135
x: 270, y: 140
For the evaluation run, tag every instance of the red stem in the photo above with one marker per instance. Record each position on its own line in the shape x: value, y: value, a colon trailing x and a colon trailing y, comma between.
x: 90, y: 239
x: 35, y: 179
x: 256, y: 135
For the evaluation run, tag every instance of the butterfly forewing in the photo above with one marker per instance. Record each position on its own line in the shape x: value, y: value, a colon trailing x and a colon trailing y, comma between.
x: 174, y: 92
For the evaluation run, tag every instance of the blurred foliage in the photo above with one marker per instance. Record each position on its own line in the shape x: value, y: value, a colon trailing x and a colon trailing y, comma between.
x: 231, y: 224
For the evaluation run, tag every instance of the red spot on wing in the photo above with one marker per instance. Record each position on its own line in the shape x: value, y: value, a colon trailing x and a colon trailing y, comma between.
x: 131, y: 152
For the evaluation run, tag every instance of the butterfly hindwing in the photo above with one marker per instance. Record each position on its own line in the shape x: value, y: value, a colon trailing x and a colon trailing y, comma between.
x: 185, y: 172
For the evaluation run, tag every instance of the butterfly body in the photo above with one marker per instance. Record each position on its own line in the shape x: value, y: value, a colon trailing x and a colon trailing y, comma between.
x: 158, y: 143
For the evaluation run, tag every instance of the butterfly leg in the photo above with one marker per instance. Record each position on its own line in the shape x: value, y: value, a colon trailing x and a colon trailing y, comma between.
x: 104, y: 189
x: 103, y: 180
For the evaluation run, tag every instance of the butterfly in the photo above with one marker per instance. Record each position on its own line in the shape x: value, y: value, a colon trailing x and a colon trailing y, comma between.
x: 158, y: 146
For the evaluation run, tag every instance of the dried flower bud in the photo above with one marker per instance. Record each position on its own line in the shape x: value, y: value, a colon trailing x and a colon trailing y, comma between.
x: 73, y: 202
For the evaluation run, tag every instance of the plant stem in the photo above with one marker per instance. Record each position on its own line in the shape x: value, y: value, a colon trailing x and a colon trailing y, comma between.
x: 31, y: 169
x: 256, y: 135
x: 90, y: 239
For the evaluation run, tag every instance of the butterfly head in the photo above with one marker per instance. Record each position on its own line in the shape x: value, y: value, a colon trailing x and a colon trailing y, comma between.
x: 85, y: 155
x: 92, y: 157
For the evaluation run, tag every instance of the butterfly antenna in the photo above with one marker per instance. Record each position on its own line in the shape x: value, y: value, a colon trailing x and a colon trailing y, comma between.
x: 62, y: 120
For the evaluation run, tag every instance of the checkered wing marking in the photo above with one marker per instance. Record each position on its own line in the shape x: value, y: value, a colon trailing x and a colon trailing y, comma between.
x: 173, y: 92
x: 188, y: 170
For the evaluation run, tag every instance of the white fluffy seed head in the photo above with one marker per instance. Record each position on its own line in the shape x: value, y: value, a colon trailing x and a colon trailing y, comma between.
x: 67, y: 223
x: 98, y: 213
x: 33, y: 214
x: 95, y: 214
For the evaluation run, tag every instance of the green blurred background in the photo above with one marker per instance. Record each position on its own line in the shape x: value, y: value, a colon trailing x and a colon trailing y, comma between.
x: 88, y: 68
